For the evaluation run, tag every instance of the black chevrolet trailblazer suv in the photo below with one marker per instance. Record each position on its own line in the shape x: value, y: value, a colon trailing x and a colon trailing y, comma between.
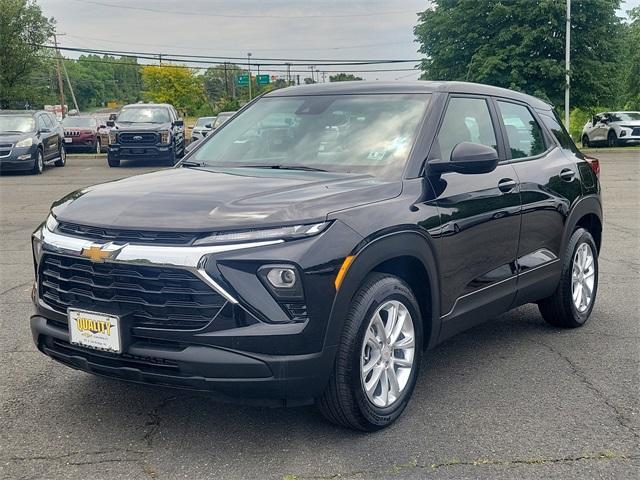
x: 315, y: 245
x: 146, y: 131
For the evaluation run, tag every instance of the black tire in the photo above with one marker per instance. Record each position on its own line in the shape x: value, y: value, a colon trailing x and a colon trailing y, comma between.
x: 63, y: 158
x: 585, y: 141
x: 559, y: 309
x: 113, y: 162
x: 97, y: 148
x: 38, y: 166
x: 612, y: 139
x: 345, y: 401
x: 173, y: 159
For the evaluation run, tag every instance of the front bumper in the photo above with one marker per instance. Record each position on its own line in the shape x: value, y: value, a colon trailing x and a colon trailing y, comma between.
x: 143, y: 152
x: 19, y: 159
x: 251, y: 350
x: 82, y: 142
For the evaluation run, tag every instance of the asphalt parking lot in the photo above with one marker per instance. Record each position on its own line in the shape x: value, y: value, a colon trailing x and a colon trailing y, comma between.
x: 513, y: 398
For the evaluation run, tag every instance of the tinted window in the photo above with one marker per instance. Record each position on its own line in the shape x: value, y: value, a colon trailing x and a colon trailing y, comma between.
x: 369, y: 134
x: 559, y: 132
x: 466, y: 120
x: 524, y: 133
x: 41, y: 124
x: 144, y: 115
x: 47, y: 121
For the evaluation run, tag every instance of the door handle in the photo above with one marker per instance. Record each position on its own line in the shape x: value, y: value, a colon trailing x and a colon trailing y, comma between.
x: 506, y: 185
x: 567, y: 174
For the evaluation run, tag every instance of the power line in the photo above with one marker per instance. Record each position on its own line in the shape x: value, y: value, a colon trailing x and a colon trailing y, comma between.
x: 262, y: 60
x: 261, y: 16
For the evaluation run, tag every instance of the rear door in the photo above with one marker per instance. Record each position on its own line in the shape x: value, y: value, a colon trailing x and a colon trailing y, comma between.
x: 50, y: 137
x: 549, y: 186
x: 480, y: 220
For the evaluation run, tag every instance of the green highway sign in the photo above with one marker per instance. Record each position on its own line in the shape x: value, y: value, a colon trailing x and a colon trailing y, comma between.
x: 262, y: 79
x: 242, y: 79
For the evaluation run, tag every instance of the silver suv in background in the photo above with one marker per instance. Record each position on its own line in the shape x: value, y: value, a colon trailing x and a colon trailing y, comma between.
x: 612, y: 129
x: 202, y: 127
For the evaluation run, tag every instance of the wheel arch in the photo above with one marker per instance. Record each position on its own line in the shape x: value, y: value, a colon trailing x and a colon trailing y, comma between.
x: 408, y: 255
x: 587, y: 213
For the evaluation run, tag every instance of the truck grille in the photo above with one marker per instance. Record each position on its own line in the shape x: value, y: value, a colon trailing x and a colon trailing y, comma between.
x: 72, y: 133
x: 5, y: 149
x: 143, y: 296
x: 148, y: 138
x: 137, y: 236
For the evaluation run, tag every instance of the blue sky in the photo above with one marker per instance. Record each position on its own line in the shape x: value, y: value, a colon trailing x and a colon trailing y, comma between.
x: 293, y: 29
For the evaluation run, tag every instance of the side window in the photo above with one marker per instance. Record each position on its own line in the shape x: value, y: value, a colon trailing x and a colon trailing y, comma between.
x: 47, y: 121
x: 524, y: 133
x: 559, y: 132
x: 466, y: 120
x: 41, y: 123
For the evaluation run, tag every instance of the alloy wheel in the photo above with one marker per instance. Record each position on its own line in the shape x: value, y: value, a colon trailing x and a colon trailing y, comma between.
x: 583, y: 277
x: 387, y: 356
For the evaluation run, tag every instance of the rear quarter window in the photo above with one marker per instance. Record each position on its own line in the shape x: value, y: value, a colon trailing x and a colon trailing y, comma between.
x: 558, y: 130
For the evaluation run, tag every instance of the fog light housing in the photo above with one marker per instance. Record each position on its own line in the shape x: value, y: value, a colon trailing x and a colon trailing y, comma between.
x: 283, y: 281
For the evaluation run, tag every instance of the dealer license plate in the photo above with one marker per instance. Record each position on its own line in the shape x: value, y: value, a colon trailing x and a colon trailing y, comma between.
x: 68, y: 139
x: 94, y: 330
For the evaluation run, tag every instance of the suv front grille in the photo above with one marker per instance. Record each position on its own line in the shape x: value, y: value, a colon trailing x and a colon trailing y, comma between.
x: 147, y: 138
x: 5, y: 149
x: 143, y: 296
x: 635, y: 131
x: 137, y: 236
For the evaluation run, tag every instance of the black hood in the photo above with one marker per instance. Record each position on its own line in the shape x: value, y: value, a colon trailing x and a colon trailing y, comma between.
x: 190, y: 199
x: 12, y: 137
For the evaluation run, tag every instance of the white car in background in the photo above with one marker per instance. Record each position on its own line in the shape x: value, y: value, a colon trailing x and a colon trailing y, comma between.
x: 203, y: 126
x: 612, y: 129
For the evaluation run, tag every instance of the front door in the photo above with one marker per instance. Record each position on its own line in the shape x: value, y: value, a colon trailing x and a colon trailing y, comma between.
x: 479, y: 221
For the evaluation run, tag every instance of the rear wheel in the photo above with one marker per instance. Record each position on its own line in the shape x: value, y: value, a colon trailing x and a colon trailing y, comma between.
x: 38, y: 166
x: 612, y: 139
x: 571, y: 304
x: 378, y: 358
x: 585, y: 141
x: 62, y: 161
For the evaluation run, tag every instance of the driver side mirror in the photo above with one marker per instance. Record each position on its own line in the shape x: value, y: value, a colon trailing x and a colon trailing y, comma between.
x: 209, y: 126
x: 179, y: 123
x: 467, y: 158
x: 111, y: 123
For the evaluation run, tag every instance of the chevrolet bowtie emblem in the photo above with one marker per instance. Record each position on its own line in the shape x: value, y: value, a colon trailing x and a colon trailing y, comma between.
x: 100, y: 253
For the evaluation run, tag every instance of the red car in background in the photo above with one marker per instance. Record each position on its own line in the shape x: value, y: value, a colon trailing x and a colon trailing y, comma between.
x: 81, y: 133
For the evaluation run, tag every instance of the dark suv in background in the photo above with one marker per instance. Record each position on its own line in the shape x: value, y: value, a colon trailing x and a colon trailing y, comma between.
x: 314, y: 245
x: 29, y: 140
x: 146, y: 131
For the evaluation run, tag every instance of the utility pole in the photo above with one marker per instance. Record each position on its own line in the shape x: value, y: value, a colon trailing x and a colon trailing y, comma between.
x: 160, y: 58
x: 73, y: 95
x: 60, y: 84
x: 567, y: 66
x: 324, y: 77
x: 249, y: 68
x: 288, y: 74
x: 226, y: 82
x: 313, y: 79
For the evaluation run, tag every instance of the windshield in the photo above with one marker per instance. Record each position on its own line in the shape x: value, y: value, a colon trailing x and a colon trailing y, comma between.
x: 144, y: 115
x: 17, y: 123
x: 370, y: 134
x: 202, y: 121
x: 625, y: 116
x: 79, y: 122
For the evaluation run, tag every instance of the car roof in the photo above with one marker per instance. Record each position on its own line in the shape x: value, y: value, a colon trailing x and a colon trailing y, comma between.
x: 147, y: 105
x: 22, y: 112
x: 369, y: 87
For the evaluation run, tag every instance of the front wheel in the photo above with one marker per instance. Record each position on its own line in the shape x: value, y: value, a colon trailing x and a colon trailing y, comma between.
x: 38, y: 166
x: 378, y: 358
x: 98, y: 146
x: 612, y: 139
x: 585, y: 141
x: 62, y: 161
x: 113, y: 162
x: 571, y: 304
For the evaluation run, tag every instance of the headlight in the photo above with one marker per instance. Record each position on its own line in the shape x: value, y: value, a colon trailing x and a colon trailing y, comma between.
x: 283, y: 233
x: 27, y: 142
x: 51, y: 223
x: 164, y: 136
x: 112, y: 137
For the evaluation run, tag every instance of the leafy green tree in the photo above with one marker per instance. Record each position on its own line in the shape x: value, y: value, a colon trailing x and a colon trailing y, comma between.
x: 519, y: 44
x: 22, y: 28
x: 343, y: 77
x: 173, y: 84
x: 632, y: 74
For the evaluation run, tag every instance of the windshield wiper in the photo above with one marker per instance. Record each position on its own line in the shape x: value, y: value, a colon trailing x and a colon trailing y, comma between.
x: 284, y: 167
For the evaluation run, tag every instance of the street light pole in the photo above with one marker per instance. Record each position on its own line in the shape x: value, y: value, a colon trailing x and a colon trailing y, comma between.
x: 567, y: 65
x: 249, y: 68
